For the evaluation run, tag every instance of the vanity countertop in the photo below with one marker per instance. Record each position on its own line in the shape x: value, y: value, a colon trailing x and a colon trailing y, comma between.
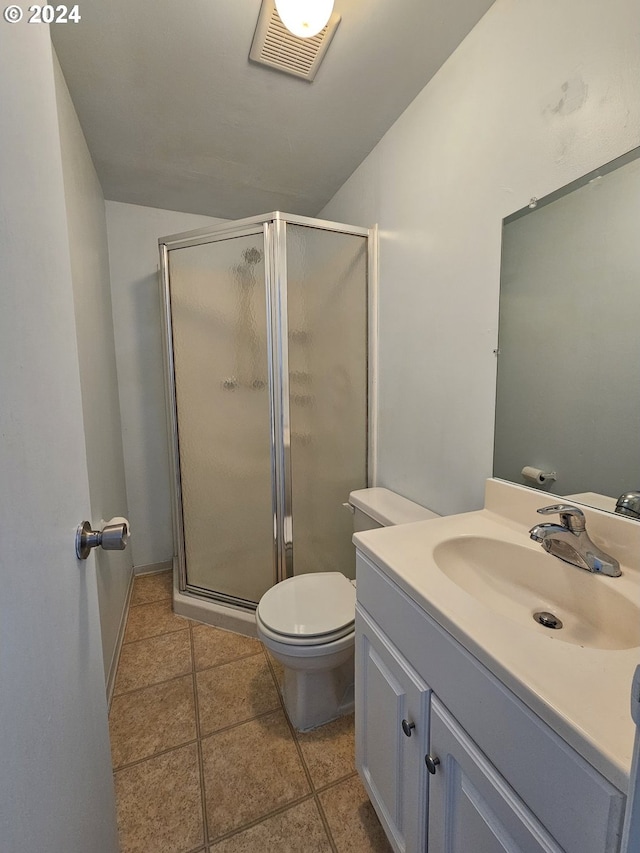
x: 583, y: 693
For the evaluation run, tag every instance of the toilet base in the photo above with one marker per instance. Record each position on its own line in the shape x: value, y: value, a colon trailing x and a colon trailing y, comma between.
x: 313, y: 698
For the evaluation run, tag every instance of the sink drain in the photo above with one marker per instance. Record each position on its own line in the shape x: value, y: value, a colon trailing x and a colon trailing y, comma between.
x: 547, y: 619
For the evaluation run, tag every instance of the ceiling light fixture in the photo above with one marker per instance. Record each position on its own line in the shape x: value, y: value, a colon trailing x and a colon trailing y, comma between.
x: 277, y: 47
x: 304, y: 18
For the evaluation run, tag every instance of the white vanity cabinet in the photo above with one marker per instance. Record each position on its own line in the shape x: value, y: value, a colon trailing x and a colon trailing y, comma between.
x: 504, y: 782
x: 392, y: 713
x: 471, y: 807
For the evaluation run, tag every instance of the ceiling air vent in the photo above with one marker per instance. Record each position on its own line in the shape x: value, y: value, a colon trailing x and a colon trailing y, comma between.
x: 273, y: 45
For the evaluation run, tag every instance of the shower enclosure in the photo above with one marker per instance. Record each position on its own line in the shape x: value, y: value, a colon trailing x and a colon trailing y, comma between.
x: 266, y: 328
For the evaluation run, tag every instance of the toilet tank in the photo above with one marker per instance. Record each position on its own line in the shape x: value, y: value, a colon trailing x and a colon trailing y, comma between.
x: 378, y: 507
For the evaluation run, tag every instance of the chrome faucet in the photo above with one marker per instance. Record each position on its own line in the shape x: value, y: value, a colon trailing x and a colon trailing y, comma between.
x: 569, y: 541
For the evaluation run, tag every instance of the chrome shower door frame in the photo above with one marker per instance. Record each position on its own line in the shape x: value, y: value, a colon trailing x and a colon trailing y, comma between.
x: 275, y: 240
x: 166, y: 245
x: 273, y: 228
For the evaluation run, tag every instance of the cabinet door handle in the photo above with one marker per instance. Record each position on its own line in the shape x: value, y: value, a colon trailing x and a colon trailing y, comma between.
x: 407, y: 726
x: 432, y: 763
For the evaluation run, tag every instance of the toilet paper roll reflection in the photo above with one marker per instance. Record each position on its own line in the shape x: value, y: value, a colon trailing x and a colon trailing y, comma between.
x: 538, y: 476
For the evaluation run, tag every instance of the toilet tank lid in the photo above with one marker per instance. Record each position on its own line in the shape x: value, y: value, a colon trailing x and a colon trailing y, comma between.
x: 387, y: 508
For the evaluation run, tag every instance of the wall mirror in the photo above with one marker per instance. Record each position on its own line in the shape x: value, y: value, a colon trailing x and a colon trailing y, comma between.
x: 568, y: 385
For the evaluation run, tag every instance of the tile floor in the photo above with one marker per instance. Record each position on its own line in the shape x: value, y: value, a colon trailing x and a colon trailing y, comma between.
x: 204, y: 757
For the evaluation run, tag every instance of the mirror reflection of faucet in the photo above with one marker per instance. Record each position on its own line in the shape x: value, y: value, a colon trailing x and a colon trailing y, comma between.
x: 629, y: 504
x: 569, y: 541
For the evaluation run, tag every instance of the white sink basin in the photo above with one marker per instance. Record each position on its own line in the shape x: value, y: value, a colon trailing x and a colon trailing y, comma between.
x: 480, y: 578
x: 517, y: 581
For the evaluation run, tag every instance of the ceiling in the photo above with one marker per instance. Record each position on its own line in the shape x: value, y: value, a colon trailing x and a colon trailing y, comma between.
x: 175, y: 115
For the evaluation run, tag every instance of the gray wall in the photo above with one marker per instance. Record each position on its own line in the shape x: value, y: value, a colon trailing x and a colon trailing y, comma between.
x: 56, y: 786
x: 133, y: 257
x: 96, y: 348
x: 538, y: 94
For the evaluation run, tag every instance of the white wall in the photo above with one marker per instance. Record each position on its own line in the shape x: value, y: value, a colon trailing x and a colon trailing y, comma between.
x: 94, y: 329
x: 539, y: 93
x: 133, y: 233
x: 56, y: 785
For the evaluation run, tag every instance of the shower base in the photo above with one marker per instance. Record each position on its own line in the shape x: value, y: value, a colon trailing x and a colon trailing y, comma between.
x: 214, y: 613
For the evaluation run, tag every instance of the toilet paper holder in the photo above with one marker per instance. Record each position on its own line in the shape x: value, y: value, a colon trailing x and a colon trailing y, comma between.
x: 114, y: 536
x: 538, y: 476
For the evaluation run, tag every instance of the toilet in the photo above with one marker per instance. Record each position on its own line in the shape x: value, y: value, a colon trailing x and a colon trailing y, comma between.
x: 307, y: 622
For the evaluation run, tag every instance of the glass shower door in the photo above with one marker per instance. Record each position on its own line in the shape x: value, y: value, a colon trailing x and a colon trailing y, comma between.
x: 219, y: 325
x: 327, y: 382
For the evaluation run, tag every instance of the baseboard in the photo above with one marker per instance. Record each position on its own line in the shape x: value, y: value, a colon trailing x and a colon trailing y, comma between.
x: 113, y: 668
x: 152, y: 568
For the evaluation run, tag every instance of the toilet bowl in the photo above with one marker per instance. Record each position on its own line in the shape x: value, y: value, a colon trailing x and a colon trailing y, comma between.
x: 308, y: 621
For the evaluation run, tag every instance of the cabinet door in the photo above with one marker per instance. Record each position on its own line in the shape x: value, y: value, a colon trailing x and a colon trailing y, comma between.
x: 391, y: 736
x: 471, y: 807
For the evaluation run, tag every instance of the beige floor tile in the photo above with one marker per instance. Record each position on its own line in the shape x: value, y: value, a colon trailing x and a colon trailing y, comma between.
x: 213, y: 646
x: 148, y: 588
x: 150, y: 620
x: 353, y: 822
x: 234, y: 692
x: 249, y: 771
x: 329, y: 751
x: 295, y: 830
x: 152, y: 720
x: 159, y: 804
x: 152, y: 661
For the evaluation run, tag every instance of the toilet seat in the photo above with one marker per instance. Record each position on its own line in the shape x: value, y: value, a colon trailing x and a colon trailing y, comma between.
x: 310, y: 609
x: 291, y: 642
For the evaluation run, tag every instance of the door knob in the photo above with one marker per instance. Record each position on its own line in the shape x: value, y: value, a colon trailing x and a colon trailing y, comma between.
x: 407, y: 727
x: 432, y: 762
x: 113, y: 537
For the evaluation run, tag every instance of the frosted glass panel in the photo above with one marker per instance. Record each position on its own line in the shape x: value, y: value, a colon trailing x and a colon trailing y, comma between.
x: 327, y: 320
x: 218, y: 308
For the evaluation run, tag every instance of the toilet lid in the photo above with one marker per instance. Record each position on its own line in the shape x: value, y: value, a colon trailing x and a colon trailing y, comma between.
x: 309, y: 605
